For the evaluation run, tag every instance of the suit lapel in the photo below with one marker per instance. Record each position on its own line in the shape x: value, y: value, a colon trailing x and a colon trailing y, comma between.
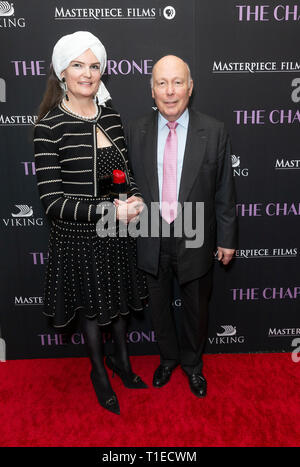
x: 148, y: 135
x: 193, y: 155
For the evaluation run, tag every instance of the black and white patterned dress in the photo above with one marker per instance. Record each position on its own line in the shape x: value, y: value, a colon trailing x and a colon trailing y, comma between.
x: 95, y: 276
x: 85, y: 272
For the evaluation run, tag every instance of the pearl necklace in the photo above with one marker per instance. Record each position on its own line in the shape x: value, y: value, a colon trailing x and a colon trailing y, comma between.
x: 92, y: 117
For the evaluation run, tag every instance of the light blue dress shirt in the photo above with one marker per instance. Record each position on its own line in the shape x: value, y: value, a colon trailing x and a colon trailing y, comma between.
x: 162, y: 134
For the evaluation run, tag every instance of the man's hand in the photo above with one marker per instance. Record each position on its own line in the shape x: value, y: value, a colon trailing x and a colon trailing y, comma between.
x: 138, y: 200
x: 225, y: 255
x: 129, y: 209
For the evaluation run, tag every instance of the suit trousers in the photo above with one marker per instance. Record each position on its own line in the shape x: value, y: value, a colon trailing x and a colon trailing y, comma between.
x: 185, y: 345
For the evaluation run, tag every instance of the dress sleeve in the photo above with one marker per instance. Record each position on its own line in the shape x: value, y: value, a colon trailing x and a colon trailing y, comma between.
x: 134, y: 191
x: 49, y: 181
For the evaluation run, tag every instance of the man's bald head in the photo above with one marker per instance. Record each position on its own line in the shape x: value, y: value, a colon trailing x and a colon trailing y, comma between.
x: 165, y: 59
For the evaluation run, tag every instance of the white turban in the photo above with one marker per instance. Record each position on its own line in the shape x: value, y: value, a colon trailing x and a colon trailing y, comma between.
x: 69, y: 47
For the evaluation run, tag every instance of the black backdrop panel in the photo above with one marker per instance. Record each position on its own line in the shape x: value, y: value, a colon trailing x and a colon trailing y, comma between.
x: 246, y: 72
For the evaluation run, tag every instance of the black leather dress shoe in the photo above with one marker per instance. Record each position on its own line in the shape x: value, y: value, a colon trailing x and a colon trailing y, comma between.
x: 162, y: 375
x: 198, y: 384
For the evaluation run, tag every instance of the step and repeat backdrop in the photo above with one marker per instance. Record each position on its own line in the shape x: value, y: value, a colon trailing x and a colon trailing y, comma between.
x: 244, y: 59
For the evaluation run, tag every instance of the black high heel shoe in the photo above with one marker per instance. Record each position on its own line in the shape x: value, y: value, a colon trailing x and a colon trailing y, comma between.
x: 108, y: 401
x: 129, y: 379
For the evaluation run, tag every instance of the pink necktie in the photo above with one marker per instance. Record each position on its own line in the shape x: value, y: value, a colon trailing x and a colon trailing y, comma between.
x: 169, y: 185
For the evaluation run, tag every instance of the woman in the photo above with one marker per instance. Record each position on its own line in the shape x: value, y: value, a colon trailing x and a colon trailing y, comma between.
x: 78, y: 143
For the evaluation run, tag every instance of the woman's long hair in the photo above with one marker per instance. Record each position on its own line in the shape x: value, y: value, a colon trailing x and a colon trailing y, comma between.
x: 52, y: 97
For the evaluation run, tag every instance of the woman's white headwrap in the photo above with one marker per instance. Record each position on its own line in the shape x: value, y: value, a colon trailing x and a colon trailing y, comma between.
x: 71, y: 46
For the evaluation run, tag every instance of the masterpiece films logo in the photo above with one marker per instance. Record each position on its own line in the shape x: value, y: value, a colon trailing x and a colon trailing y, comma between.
x: 256, y: 67
x: 26, y: 301
x: 256, y: 253
x: 284, y: 163
x: 168, y: 12
x: 17, y: 120
x: 284, y: 332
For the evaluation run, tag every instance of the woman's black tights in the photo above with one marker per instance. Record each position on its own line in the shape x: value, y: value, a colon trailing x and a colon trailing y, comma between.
x: 94, y: 340
x: 119, y: 334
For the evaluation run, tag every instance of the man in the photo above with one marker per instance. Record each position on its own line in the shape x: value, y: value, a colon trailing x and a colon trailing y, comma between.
x: 180, y: 155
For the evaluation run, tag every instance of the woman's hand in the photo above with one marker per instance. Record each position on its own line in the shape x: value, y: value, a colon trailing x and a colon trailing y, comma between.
x: 126, y: 212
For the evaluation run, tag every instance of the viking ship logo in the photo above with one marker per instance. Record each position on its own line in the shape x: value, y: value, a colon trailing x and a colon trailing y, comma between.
x: 6, y: 9
x: 235, y: 160
x: 24, y: 211
x: 228, y: 330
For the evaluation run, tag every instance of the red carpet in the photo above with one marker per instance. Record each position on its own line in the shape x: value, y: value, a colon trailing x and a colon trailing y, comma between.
x: 253, y: 400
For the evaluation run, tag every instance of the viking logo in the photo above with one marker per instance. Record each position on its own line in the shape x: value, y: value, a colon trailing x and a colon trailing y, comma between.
x: 6, y: 9
x: 24, y: 211
x: 235, y: 160
x: 228, y: 330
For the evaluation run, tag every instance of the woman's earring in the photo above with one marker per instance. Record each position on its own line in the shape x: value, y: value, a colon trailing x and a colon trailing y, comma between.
x: 97, y: 100
x: 65, y: 88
